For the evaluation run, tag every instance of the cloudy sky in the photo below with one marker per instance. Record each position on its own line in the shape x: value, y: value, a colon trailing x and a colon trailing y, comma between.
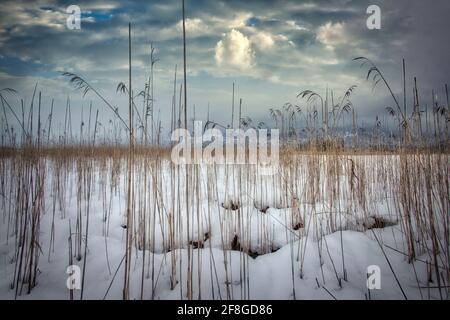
x: 272, y: 50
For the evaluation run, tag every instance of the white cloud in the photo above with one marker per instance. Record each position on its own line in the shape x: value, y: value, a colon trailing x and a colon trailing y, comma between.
x: 194, y: 25
x: 238, y: 20
x: 292, y: 24
x: 282, y: 37
x: 234, y: 50
x: 263, y: 40
x: 332, y: 34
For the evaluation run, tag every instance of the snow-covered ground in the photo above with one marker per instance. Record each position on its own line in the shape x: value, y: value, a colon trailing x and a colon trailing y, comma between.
x: 311, y: 231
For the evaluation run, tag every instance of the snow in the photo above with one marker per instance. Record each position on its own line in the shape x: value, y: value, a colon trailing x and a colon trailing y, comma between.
x: 276, y: 232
